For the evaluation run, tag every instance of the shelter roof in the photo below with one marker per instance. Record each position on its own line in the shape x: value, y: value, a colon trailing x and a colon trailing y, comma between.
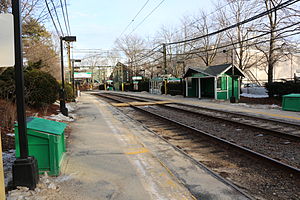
x: 214, y: 70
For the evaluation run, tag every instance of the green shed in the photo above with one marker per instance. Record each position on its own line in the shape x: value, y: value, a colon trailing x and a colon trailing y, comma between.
x: 213, y: 81
x: 46, y: 142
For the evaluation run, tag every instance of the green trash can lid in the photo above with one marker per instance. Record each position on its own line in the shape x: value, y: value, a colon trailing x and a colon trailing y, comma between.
x: 292, y: 95
x: 45, y: 125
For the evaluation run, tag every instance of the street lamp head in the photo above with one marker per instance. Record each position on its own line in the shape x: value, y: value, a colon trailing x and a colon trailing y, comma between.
x: 75, y: 60
x: 69, y: 38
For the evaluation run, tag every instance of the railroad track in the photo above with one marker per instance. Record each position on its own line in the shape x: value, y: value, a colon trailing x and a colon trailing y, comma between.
x: 284, y: 129
x: 179, y: 138
x: 219, y: 139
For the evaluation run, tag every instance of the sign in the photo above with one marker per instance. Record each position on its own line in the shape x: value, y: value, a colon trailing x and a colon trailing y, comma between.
x: 137, y: 78
x: 83, y: 75
x: 7, y: 49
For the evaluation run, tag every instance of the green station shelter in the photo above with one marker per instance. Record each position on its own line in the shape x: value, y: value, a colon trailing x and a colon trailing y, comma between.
x: 213, y: 81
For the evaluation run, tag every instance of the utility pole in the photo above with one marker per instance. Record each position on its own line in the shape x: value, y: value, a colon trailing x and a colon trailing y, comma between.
x: 165, y: 66
x: 69, y: 60
x: 232, y: 98
x: 165, y: 58
x: 122, y: 76
x: 24, y: 169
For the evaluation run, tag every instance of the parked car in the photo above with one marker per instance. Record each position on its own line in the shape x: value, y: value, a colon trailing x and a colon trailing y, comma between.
x: 249, y: 85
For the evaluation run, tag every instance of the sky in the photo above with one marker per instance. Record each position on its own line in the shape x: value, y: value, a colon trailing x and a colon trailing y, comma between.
x: 98, y: 23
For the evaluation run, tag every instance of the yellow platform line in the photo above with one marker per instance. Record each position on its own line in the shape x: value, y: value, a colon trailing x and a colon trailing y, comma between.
x: 141, y: 150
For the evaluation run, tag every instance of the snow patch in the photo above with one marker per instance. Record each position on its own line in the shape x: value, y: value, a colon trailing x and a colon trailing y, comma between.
x: 60, y: 117
x: 8, y: 159
x: 71, y: 106
x: 254, y: 95
x: 44, y: 190
x: 257, y: 106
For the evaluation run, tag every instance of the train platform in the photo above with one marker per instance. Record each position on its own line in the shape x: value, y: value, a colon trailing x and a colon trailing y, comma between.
x: 113, y: 157
x: 264, y: 111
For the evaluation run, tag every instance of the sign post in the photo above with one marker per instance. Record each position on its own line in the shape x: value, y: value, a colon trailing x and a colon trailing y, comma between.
x: 7, y: 54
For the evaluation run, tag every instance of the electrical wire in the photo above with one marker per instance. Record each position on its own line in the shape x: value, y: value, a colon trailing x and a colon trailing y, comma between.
x: 134, y: 18
x: 238, y: 42
x: 52, y: 18
x: 280, y: 6
x: 63, y: 12
x: 55, y: 11
x: 68, y: 21
x: 146, y: 17
x: 194, y: 22
x: 193, y: 52
x: 249, y: 45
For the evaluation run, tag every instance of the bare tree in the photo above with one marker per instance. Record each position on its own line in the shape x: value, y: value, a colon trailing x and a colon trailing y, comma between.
x: 167, y: 35
x: 238, y: 11
x: 208, y: 45
x: 277, y: 27
x: 133, y: 48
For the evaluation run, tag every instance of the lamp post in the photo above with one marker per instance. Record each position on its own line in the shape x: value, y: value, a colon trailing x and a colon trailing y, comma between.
x: 73, y: 78
x: 62, y: 94
x: 24, y: 169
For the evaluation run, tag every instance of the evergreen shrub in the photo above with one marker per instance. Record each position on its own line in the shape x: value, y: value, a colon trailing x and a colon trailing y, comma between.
x: 41, y: 88
x: 282, y: 88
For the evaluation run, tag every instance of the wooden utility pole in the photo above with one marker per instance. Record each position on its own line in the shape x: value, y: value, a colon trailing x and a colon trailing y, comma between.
x: 69, y: 61
x: 165, y: 66
x: 165, y: 58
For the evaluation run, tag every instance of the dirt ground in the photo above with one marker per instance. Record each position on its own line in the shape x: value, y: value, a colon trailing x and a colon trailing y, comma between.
x: 8, y: 117
x: 268, y: 101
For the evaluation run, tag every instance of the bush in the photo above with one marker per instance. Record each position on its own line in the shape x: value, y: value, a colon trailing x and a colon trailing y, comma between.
x: 282, y: 88
x: 7, y: 85
x: 69, y: 92
x: 41, y: 88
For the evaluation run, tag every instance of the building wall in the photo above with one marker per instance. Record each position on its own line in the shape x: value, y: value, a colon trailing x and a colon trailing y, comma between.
x: 284, y: 69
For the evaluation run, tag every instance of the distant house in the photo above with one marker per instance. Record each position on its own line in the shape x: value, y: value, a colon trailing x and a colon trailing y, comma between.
x: 121, y: 75
x: 213, y: 81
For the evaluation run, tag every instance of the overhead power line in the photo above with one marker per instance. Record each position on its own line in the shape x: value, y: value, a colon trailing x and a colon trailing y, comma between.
x: 194, y: 22
x: 280, y: 6
x: 146, y: 17
x: 134, y: 18
x: 68, y: 21
x: 197, y: 51
x: 52, y: 19
x: 55, y: 11
x: 65, y: 21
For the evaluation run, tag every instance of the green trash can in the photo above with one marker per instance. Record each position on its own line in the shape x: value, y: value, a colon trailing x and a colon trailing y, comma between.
x: 291, y: 102
x: 46, y: 142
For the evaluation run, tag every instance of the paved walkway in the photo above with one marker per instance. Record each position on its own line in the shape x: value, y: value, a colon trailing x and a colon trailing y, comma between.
x: 106, y: 161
